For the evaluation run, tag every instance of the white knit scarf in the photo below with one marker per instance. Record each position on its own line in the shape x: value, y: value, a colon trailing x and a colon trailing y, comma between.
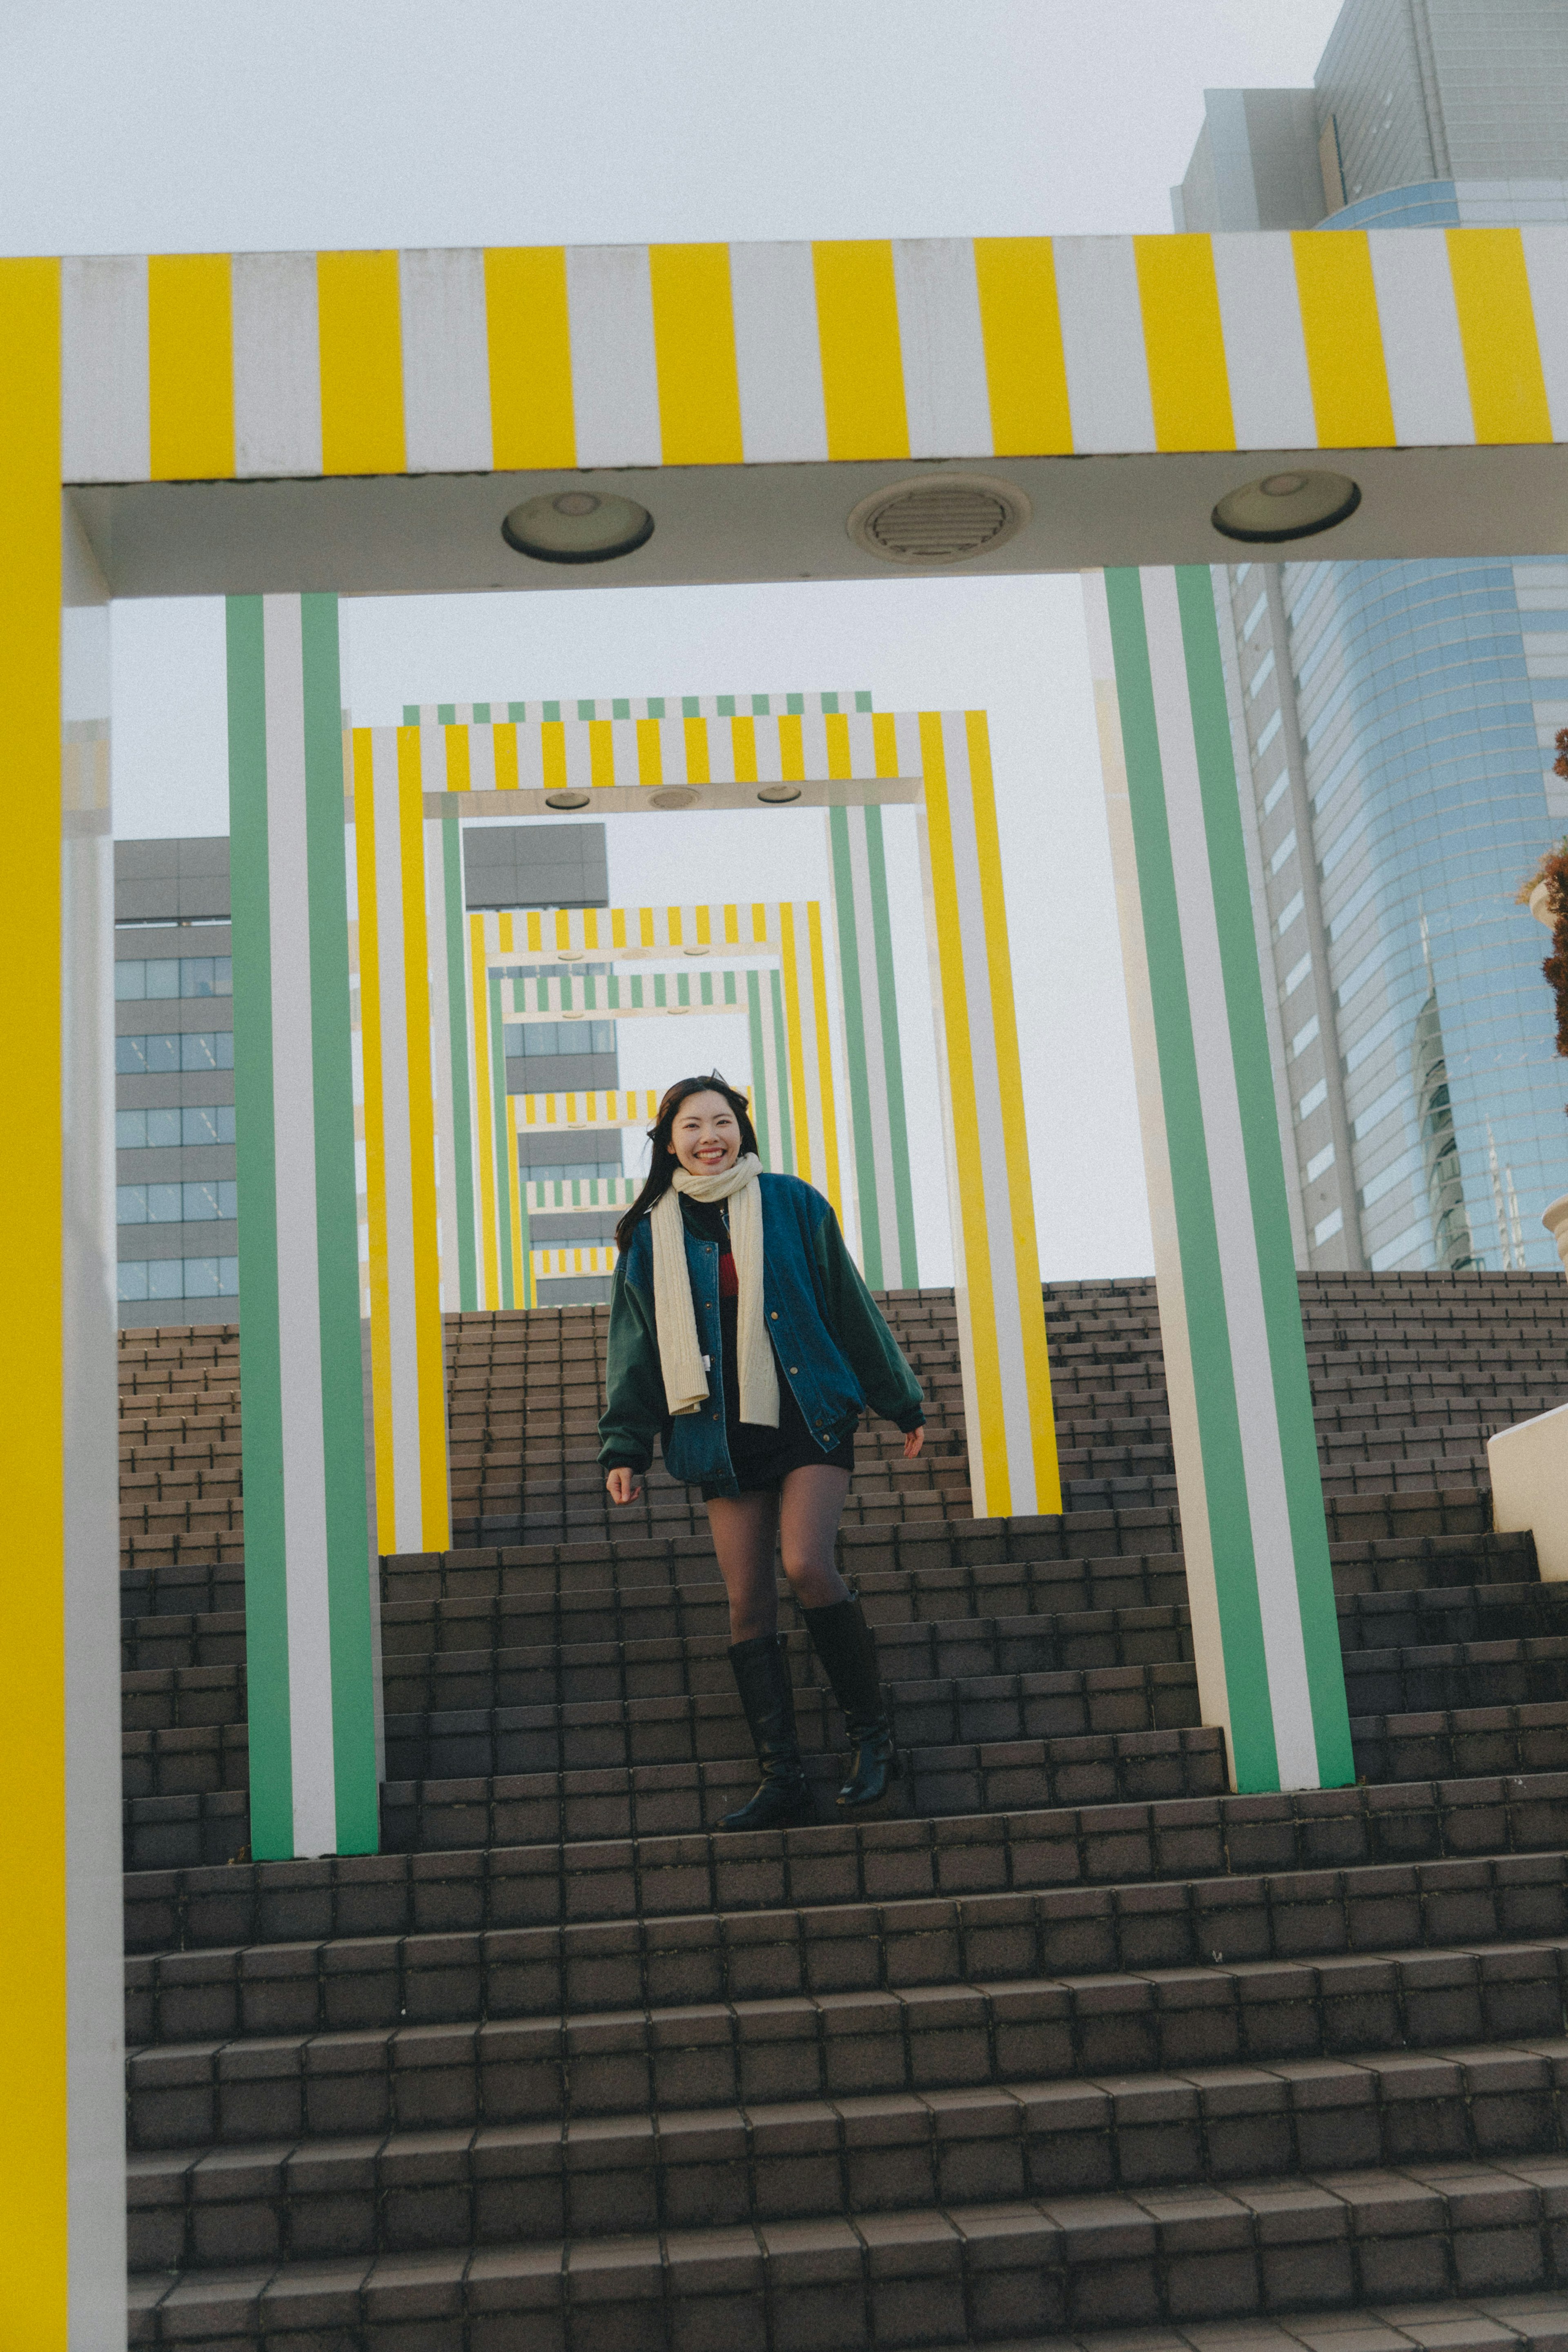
x: 680, y: 1357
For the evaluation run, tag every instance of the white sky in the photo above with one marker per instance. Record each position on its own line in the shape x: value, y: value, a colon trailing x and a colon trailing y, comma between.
x: 391, y: 122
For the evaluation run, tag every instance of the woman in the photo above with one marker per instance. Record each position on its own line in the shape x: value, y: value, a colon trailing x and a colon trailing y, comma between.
x: 741, y: 1332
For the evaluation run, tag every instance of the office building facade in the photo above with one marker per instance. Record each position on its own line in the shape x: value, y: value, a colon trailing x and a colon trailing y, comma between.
x: 1394, y: 722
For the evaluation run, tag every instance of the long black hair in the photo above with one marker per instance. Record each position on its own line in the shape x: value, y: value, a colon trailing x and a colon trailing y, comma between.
x: 661, y: 1171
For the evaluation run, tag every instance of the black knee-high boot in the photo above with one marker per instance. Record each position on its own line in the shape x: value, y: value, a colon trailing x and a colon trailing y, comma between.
x: 784, y: 1800
x: 847, y: 1647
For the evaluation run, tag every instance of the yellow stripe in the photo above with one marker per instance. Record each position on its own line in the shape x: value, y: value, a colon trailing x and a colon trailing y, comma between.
x: 531, y: 419
x: 1183, y: 343
x: 533, y: 929
x: 693, y: 353
x: 990, y: 1437
x: 1497, y: 330
x: 824, y: 1058
x: 483, y: 1108
x: 839, y: 764
x: 371, y: 1049
x: 34, y: 2181
x: 862, y: 364
x: 1351, y: 402
x: 505, y: 738
x: 361, y: 363
x: 1015, y: 1135
x: 650, y: 753
x: 705, y: 929
x: 696, y: 751
x: 884, y: 742
x: 430, y: 1364
x: 459, y: 775
x: 794, y: 1040
x: 792, y: 749
x: 190, y: 366
x: 743, y: 750
x: 552, y: 754
x: 1021, y: 326
x: 600, y: 752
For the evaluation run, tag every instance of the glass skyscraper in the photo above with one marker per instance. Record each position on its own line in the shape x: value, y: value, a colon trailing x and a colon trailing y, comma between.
x: 1395, y: 721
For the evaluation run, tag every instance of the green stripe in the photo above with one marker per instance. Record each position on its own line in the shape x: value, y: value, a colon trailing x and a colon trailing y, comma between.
x: 266, y: 1565
x: 505, y: 1141
x: 785, y: 1162
x: 760, y: 1118
x: 1265, y: 1175
x: 855, y: 1042
x: 891, y: 1051
x: 336, y: 1241
x: 462, y: 1065
x: 1254, y: 1758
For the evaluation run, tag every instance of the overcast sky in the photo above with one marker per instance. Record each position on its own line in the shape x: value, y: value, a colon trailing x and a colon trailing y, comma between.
x: 189, y: 127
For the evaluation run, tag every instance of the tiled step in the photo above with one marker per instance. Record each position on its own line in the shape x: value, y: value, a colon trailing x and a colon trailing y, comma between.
x: 1459, y: 1675
x: 1463, y: 1743
x: 965, y: 2273
x: 248, y: 2046
x: 1536, y: 2321
x: 1109, y: 1768
x: 1455, y: 1613
x: 1027, y: 1892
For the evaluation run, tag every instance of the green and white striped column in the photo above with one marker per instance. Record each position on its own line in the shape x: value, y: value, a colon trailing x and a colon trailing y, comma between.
x: 1264, y: 1632
x: 770, y: 1070
x: 863, y: 930
x: 311, y: 1620
x: 454, y: 1051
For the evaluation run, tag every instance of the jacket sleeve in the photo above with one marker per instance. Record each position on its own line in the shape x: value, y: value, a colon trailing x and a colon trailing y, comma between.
x: 634, y: 1409
x: 874, y: 1355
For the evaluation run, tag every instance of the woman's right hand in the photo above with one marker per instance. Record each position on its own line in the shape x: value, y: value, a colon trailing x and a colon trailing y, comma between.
x: 622, y: 1485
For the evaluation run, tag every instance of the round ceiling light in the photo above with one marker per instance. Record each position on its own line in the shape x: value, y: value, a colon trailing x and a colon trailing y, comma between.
x: 1286, y: 506
x: 672, y: 796
x: 576, y: 527
x: 942, y: 518
x: 776, y: 795
x: 567, y: 800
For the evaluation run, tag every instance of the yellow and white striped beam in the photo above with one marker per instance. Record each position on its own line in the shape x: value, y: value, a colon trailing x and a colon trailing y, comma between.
x: 627, y: 934
x: 397, y: 1023
x: 612, y: 1107
x: 182, y: 367
x: 550, y: 1263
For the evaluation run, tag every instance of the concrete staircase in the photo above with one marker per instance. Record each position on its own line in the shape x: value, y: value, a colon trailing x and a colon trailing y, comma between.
x: 1072, y: 2044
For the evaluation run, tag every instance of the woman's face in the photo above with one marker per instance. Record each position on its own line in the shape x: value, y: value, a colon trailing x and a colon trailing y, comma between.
x: 705, y: 1137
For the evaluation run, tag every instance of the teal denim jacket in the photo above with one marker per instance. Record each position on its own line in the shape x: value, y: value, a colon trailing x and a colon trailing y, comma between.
x: 832, y: 1344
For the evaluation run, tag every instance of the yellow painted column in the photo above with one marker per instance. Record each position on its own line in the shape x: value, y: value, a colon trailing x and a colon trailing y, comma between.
x: 1013, y: 1470
x: 408, y: 1375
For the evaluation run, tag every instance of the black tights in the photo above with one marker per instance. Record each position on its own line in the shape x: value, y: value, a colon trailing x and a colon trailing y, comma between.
x: 802, y: 1514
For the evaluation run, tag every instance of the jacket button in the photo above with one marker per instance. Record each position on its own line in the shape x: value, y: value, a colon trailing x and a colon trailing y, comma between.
x: 793, y: 1369
x: 776, y: 1315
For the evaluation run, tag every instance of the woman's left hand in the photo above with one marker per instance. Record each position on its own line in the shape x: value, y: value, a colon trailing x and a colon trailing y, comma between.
x: 913, y: 1439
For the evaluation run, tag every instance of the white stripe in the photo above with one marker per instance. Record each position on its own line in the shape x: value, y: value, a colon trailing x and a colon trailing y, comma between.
x: 391, y: 1014
x: 105, y: 405
x: 298, y: 1294
x: 1008, y: 1307
x: 783, y: 420
x: 441, y: 1044
x: 872, y: 1034
x: 1546, y: 265
x: 1273, y: 1549
x: 1103, y: 342
x: 1265, y: 349
x: 1416, y: 310
x: 1186, y: 1441
x: 946, y: 394
x: 615, y: 385
x: 445, y: 361
x: 277, y: 364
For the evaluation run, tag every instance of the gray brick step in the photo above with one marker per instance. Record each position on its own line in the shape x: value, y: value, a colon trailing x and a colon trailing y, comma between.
x: 971, y: 2273
x: 1026, y: 1891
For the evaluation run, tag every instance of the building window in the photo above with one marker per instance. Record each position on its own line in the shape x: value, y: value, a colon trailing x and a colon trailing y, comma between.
x: 194, y: 1049
x: 530, y: 1038
x: 1311, y: 1099
x: 194, y: 1203
x: 165, y: 976
x: 197, y: 1123
x: 1320, y: 1163
x: 1326, y: 1230
x: 179, y: 1277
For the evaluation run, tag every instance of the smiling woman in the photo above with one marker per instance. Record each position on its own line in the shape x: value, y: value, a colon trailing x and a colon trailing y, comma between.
x: 727, y: 1271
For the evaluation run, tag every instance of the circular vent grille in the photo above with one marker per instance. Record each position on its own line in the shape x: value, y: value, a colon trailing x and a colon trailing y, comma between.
x: 943, y: 518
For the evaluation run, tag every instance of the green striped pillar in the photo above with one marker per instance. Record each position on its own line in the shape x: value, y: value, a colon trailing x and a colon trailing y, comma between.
x: 1264, y: 1633
x: 310, y: 1627
x: 863, y: 930
x: 769, y: 1071
x: 454, y: 1056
